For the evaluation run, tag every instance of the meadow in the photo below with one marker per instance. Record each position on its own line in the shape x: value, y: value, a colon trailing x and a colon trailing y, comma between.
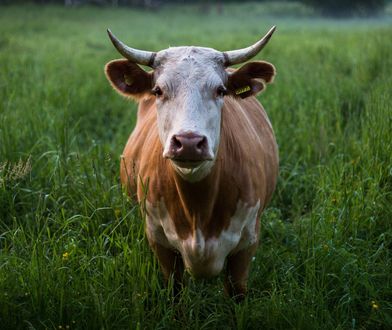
x: 73, y: 254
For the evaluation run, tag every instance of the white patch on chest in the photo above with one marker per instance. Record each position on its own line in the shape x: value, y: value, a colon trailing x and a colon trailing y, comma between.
x: 204, y: 258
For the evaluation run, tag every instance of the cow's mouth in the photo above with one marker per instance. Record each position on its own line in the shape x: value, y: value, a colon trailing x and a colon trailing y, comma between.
x: 192, y: 170
x: 188, y: 163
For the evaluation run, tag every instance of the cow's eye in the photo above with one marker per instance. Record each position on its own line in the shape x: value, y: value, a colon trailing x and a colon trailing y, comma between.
x: 221, y: 91
x: 157, y: 91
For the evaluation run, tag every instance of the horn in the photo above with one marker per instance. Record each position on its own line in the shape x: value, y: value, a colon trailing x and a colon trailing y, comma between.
x: 242, y: 55
x: 134, y: 55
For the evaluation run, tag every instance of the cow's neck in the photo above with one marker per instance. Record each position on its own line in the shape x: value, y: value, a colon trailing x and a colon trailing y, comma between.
x: 198, y: 198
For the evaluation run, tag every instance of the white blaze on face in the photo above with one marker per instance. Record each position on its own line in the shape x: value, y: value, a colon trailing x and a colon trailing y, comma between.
x: 189, y: 78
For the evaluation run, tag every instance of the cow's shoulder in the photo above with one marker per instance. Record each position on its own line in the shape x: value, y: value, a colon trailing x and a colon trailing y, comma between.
x: 142, y: 144
x: 248, y: 150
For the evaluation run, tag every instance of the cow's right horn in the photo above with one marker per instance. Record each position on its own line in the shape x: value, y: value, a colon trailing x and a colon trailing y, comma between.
x: 134, y: 55
x: 242, y: 55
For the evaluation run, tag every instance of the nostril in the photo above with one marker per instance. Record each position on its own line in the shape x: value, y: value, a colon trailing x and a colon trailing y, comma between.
x: 176, y: 143
x: 202, y: 143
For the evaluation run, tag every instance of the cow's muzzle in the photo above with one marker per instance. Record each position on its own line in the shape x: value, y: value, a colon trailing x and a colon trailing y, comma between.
x: 188, y: 149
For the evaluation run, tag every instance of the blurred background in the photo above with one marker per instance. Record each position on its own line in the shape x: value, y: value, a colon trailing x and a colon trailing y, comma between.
x: 334, y: 8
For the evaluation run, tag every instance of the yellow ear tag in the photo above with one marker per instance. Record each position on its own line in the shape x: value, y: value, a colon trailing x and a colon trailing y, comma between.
x: 128, y: 80
x: 242, y: 90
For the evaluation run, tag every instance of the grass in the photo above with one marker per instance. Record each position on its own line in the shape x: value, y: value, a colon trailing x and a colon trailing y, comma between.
x: 72, y: 247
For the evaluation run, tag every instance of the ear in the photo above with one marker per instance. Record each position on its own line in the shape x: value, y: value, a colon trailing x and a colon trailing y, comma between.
x: 250, y: 79
x: 128, y: 78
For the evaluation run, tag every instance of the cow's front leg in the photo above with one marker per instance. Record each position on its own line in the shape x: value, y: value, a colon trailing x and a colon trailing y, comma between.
x: 171, y: 264
x: 237, y: 271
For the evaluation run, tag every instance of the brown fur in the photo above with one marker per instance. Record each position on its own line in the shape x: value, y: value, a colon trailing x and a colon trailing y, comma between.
x: 246, y: 169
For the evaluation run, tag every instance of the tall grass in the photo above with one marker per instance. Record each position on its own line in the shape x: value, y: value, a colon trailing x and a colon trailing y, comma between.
x: 72, y: 247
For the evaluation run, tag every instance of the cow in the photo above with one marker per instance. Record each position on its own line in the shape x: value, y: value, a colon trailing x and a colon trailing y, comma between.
x: 202, y: 159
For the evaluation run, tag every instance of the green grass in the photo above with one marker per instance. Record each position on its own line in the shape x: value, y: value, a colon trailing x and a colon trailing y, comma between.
x: 72, y: 247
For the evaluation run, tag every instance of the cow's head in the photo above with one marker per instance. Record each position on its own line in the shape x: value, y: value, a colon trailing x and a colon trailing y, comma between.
x: 189, y: 85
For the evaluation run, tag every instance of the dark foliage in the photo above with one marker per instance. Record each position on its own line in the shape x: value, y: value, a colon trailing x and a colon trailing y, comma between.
x: 341, y: 8
x: 133, y: 3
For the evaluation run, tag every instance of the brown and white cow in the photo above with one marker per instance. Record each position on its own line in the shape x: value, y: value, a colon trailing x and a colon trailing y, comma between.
x: 202, y: 158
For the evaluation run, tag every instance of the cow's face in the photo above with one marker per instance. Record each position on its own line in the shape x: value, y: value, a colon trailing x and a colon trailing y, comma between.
x: 189, y: 85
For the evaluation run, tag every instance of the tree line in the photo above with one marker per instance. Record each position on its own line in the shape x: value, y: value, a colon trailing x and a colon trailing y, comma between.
x: 325, y: 7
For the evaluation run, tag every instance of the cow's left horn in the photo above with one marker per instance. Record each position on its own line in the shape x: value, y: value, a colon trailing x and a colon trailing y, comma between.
x: 134, y: 55
x: 244, y: 54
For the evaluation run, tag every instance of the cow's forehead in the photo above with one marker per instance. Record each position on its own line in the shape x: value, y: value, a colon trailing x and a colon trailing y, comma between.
x: 196, y: 54
x: 195, y: 65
